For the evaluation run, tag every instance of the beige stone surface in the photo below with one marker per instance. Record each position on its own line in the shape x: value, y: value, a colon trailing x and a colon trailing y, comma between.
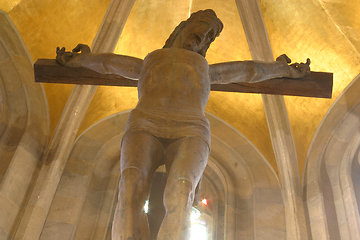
x: 72, y: 185
x: 328, y: 185
x: 25, y: 129
x: 57, y: 231
x: 10, y: 210
x: 65, y: 210
x: 79, y: 166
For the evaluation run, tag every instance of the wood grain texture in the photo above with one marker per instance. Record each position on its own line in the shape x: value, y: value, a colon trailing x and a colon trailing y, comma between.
x: 317, y: 84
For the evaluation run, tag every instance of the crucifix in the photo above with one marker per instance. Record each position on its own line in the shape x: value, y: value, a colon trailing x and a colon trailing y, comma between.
x: 168, y: 125
x: 316, y: 84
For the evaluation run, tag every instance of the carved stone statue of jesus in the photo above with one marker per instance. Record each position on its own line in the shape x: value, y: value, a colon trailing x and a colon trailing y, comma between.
x: 168, y: 125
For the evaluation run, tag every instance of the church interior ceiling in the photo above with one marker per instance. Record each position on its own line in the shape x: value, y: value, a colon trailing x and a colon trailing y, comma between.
x: 326, y: 31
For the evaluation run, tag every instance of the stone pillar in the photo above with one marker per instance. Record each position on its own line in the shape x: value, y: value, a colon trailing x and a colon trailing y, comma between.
x: 278, y: 123
x: 65, y: 133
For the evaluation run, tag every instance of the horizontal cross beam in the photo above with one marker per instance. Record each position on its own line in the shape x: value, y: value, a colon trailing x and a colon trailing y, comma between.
x: 317, y: 84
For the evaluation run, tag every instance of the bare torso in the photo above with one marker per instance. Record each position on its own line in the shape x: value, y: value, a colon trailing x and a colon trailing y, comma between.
x: 174, y: 80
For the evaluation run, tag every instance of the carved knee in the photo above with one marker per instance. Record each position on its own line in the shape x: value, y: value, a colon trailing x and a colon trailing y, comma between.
x: 132, y: 185
x: 179, y: 191
x: 129, y: 175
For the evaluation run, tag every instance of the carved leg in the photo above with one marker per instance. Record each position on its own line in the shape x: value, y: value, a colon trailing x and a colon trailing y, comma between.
x: 186, y: 160
x: 140, y: 156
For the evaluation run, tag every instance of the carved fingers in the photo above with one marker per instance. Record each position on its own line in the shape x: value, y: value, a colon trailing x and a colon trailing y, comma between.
x: 297, y: 70
x: 283, y: 58
x: 300, y: 69
x: 68, y: 58
x: 83, y: 48
x: 62, y: 56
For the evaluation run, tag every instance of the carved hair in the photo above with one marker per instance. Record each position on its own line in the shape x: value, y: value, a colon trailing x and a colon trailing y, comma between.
x: 209, y: 16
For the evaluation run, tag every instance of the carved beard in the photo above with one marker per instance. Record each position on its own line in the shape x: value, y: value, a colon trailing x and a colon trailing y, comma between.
x: 192, y: 43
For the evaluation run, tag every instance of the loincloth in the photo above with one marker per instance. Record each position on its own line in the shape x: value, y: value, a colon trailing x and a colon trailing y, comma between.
x: 168, y: 125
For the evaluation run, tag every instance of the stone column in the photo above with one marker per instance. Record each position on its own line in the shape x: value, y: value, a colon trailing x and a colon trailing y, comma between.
x: 278, y: 123
x: 65, y: 133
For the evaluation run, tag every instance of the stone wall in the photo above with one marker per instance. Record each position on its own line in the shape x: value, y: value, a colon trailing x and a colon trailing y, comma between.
x: 328, y: 182
x: 24, y: 126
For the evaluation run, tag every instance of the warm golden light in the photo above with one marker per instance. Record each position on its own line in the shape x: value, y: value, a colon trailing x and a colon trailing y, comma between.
x: 7, y: 5
x: 328, y: 32
x: 308, y: 29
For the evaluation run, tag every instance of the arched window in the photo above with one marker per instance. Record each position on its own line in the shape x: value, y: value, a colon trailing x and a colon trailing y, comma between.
x: 198, y: 226
x: 201, y: 225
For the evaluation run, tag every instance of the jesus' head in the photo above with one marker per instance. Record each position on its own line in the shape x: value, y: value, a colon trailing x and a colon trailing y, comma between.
x: 197, y: 32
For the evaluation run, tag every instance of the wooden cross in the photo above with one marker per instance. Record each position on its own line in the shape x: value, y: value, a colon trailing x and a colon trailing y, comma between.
x: 317, y: 84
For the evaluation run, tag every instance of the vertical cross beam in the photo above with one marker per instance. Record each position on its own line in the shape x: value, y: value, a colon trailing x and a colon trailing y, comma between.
x: 278, y: 123
x: 60, y: 145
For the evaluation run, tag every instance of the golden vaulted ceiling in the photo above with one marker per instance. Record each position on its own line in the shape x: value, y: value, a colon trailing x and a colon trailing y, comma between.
x: 327, y: 31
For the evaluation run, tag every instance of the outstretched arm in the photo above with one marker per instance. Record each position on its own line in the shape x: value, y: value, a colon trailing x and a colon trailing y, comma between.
x: 105, y: 63
x: 257, y: 71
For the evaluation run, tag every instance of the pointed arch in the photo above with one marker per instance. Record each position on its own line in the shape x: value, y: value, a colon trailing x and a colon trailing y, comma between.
x: 24, y: 125
x: 238, y: 176
x: 328, y: 181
